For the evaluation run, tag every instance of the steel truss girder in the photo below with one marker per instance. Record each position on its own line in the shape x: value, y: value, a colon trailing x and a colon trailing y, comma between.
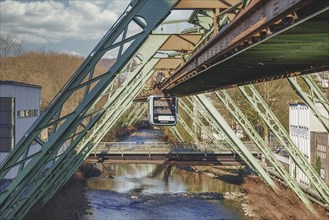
x: 176, y: 133
x: 69, y: 128
x: 187, y: 129
x: 124, y: 97
x: 138, y: 114
x: 139, y: 9
x: 148, y: 53
x: 211, y: 120
x: 314, y: 96
x: 199, y: 122
x: 106, y: 125
x: 235, y: 111
x: 136, y: 106
x: 220, y: 124
x: 265, y: 113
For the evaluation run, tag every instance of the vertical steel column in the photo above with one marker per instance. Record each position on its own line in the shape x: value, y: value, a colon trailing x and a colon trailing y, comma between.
x: 234, y: 141
x: 235, y: 111
x: 314, y: 96
x: 259, y: 104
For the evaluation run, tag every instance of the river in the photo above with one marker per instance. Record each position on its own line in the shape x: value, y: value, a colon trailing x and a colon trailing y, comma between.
x: 150, y: 191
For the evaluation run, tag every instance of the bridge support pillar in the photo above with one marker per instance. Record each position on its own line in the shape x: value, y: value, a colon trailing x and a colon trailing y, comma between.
x: 219, y: 122
x: 266, y: 114
x: 235, y: 111
x: 315, y: 96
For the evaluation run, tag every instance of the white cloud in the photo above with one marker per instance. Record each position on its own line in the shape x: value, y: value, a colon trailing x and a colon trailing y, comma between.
x: 28, y: 38
x: 55, y: 21
x: 72, y: 52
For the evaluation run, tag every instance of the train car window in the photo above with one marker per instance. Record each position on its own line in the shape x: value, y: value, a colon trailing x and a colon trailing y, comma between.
x: 162, y: 110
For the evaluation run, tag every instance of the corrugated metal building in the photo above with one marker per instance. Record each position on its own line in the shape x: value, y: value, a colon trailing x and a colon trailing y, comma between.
x: 19, y: 108
x: 302, y: 123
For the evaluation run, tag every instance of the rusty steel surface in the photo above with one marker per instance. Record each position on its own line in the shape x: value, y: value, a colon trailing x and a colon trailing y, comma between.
x: 267, y: 40
x: 205, y: 4
x: 181, y: 42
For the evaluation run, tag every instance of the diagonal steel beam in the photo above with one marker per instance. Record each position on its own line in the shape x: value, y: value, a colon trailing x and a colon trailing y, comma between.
x: 265, y: 113
x: 187, y: 128
x: 174, y: 130
x: 315, y: 95
x: 70, y: 128
x: 131, y: 90
x: 235, y: 111
x: 220, y: 123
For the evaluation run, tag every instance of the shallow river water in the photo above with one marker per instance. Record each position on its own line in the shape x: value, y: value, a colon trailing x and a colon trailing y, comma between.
x: 149, y: 191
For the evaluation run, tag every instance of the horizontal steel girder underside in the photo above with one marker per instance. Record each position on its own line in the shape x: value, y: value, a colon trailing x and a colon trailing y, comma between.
x: 301, y: 48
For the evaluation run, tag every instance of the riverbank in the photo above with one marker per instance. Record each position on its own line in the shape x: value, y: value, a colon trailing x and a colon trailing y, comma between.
x: 259, y: 201
x: 68, y: 203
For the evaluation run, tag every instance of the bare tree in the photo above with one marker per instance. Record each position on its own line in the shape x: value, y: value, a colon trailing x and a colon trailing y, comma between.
x: 10, y: 45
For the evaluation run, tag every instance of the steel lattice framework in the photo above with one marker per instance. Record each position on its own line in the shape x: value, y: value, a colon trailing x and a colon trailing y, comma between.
x: 43, y: 166
x: 35, y: 159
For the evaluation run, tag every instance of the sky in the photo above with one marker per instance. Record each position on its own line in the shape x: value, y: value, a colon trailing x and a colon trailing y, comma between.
x: 64, y: 26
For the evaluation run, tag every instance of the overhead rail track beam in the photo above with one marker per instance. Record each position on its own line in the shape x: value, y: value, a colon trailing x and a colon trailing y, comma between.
x: 260, y: 23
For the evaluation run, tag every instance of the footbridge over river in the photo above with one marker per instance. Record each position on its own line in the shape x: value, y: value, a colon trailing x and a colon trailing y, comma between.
x: 163, y: 152
x: 233, y: 43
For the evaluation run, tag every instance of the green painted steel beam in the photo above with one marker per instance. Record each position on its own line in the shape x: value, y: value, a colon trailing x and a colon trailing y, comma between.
x: 301, y: 47
x: 84, y: 148
x: 136, y: 106
x: 315, y: 95
x: 212, y: 122
x: 156, y: 42
x: 235, y: 111
x: 175, y: 132
x: 138, y: 114
x: 266, y: 114
x: 201, y: 125
x: 235, y: 142
x: 70, y: 128
x: 98, y: 135
x: 187, y: 129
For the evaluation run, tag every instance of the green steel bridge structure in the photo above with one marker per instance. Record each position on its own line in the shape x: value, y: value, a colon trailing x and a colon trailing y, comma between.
x: 235, y: 43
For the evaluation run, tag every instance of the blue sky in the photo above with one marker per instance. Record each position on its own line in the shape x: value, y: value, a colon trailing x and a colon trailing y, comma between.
x: 72, y: 27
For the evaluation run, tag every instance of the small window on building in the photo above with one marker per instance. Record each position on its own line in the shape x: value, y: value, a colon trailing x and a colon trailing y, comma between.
x: 7, y: 121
